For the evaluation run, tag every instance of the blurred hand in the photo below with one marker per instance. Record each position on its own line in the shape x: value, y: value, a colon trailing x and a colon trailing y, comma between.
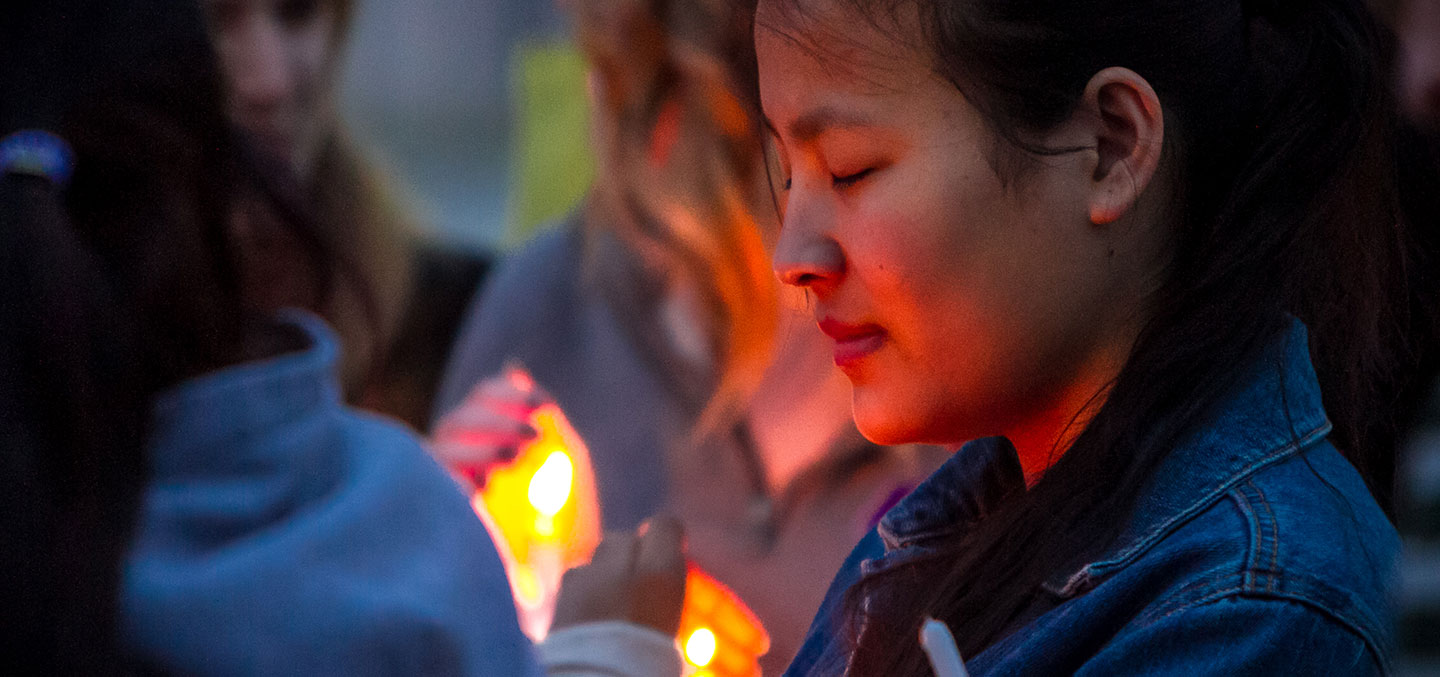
x: 489, y: 428
x: 638, y: 578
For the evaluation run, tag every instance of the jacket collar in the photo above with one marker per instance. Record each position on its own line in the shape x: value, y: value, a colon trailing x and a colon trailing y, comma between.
x: 213, y: 420
x: 1274, y: 413
x: 963, y: 490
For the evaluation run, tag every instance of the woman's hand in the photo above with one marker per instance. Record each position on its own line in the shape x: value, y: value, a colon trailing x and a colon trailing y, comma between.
x: 637, y: 578
x: 490, y: 427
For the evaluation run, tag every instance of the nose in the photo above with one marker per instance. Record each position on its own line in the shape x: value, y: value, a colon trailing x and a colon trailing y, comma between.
x: 258, y: 66
x: 808, y: 259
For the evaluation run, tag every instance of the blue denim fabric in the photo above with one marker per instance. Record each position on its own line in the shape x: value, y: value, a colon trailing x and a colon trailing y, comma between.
x: 1255, y: 549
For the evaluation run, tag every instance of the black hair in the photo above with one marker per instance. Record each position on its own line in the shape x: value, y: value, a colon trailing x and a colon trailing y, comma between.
x: 1288, y: 202
x: 114, y: 287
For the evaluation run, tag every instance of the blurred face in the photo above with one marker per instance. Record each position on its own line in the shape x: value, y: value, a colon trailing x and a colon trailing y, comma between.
x: 958, y: 306
x: 1418, y: 24
x: 278, y: 57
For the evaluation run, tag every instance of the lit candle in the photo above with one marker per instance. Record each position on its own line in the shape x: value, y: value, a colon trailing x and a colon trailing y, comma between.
x: 543, y: 514
x: 719, y: 636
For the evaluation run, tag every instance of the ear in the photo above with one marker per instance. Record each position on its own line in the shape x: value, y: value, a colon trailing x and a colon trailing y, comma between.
x: 1128, y: 130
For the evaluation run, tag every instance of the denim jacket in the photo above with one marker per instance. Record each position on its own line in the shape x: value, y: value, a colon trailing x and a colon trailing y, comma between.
x: 1256, y: 548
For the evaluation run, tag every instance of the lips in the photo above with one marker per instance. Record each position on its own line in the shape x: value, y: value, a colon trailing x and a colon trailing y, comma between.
x: 853, y: 342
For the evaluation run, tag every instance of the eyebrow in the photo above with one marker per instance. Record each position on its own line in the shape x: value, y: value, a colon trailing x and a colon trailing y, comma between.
x: 819, y: 120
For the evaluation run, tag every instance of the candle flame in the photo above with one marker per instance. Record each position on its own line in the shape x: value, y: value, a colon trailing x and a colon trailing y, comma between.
x: 550, y: 486
x: 700, y: 648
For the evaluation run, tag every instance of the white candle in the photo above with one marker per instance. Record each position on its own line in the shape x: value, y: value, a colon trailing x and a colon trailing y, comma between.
x: 939, y: 645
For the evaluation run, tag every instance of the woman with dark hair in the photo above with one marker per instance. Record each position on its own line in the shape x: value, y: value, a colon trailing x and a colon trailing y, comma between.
x: 186, y: 492
x: 93, y: 331
x: 1103, y: 241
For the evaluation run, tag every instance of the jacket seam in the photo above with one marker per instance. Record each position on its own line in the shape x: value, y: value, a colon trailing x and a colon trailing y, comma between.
x: 1208, y: 498
x: 1241, y: 592
x: 1265, y: 536
x: 1274, y: 534
x: 1252, y: 523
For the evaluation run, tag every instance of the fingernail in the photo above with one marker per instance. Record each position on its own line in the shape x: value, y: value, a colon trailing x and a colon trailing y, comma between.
x: 527, y: 430
x: 508, y: 453
x: 476, y: 478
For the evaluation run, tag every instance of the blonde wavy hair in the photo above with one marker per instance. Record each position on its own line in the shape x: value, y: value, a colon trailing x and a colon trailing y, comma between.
x: 681, y: 178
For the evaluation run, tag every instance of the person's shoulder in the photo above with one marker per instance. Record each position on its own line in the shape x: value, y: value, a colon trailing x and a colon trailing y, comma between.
x: 354, y: 549
x: 1305, y: 531
x: 546, y: 267
x: 533, y: 291
x: 1328, y: 541
x: 382, y: 455
x: 1309, y: 514
x: 1325, y: 516
x: 1235, y: 635
x: 409, y: 516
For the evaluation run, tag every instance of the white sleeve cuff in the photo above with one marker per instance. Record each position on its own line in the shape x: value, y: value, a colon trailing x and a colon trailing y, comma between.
x: 609, y: 649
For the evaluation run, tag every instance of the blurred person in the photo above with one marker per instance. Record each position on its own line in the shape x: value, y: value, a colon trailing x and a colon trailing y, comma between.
x: 186, y: 493
x: 654, y: 320
x: 399, y: 306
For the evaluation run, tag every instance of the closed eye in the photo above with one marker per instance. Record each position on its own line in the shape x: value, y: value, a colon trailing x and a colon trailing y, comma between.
x: 851, y: 179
